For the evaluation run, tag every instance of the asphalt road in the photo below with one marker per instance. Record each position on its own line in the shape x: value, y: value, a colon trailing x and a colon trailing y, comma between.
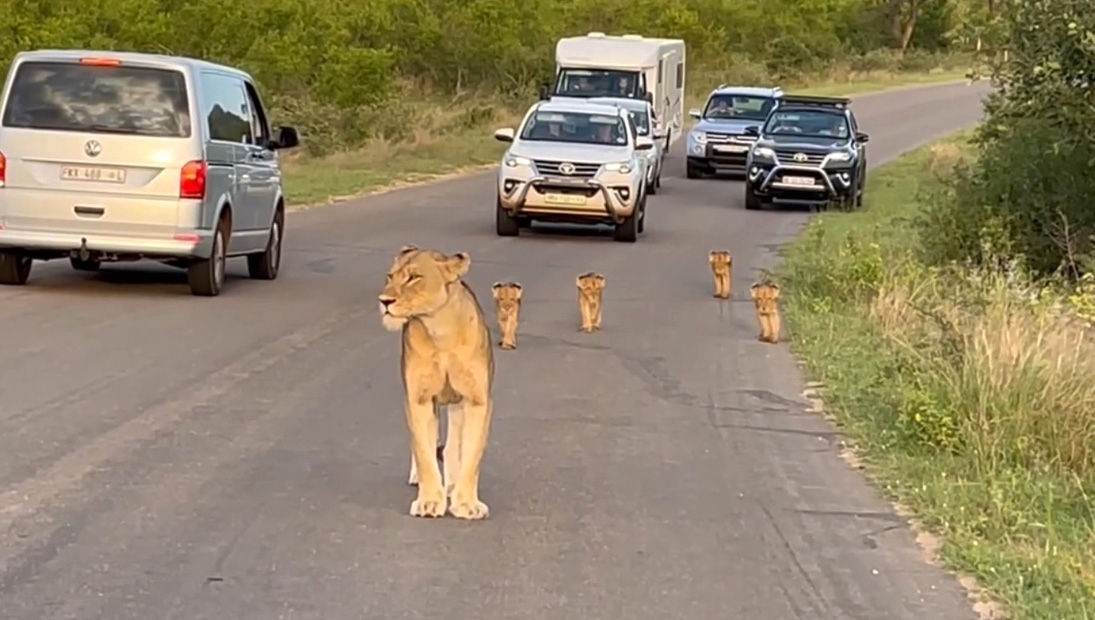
x: 245, y: 457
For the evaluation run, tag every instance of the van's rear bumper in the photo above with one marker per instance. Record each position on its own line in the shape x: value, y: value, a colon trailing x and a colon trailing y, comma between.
x: 182, y: 244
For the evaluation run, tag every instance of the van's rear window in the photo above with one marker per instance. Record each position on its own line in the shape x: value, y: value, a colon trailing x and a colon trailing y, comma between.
x: 99, y: 99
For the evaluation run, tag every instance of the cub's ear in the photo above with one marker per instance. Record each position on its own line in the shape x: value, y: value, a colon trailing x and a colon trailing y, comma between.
x: 516, y: 287
x: 711, y: 257
x: 455, y: 266
x: 775, y: 290
x: 495, y: 289
x: 599, y: 279
x: 407, y: 248
x: 753, y: 290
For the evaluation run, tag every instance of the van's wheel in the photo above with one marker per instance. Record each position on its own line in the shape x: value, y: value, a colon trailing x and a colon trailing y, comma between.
x: 264, y: 266
x: 505, y: 224
x: 90, y: 264
x: 206, y: 276
x: 14, y: 267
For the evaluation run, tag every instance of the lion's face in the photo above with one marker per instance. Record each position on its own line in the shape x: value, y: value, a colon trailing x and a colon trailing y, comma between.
x: 508, y: 296
x: 720, y: 259
x: 764, y: 297
x: 590, y: 284
x: 418, y: 283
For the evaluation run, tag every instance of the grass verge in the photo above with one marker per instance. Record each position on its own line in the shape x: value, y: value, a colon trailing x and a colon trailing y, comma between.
x: 969, y: 395
x: 441, y: 137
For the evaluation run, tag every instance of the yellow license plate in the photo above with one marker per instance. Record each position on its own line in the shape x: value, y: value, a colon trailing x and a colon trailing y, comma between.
x: 570, y: 200
x: 87, y: 173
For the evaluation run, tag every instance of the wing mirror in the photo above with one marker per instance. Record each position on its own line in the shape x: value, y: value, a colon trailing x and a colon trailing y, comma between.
x: 644, y: 143
x: 862, y: 137
x: 287, y: 139
x: 695, y: 113
x: 504, y: 135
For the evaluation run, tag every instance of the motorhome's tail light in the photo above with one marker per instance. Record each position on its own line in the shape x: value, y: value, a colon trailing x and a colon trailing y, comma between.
x: 3, y: 170
x: 192, y: 179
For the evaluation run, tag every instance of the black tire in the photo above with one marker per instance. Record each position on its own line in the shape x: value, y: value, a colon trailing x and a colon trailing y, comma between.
x: 653, y: 186
x: 14, y: 267
x: 752, y: 202
x: 859, y: 190
x: 628, y: 230
x: 505, y: 224
x: 691, y: 171
x: 206, y: 276
x: 265, y: 266
x: 642, y: 215
x: 90, y: 264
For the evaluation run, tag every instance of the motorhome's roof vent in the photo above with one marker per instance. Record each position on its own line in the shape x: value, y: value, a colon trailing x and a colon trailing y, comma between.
x: 634, y: 37
x: 598, y: 35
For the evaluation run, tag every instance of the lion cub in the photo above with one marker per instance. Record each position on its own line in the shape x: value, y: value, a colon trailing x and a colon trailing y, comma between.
x: 507, y: 296
x: 765, y: 298
x: 721, y: 262
x: 590, y: 288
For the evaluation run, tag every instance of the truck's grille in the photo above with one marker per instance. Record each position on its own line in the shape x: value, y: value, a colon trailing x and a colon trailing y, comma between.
x: 581, y: 171
x: 787, y: 157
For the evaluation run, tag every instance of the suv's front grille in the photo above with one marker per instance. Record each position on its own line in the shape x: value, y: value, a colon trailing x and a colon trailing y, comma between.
x: 581, y: 171
x: 787, y: 157
x: 725, y: 137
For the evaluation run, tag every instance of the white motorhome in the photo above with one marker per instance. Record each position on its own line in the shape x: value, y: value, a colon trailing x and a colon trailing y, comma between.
x: 598, y: 65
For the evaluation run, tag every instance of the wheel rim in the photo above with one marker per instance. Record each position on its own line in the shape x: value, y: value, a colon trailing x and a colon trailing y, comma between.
x: 275, y: 246
x: 218, y: 259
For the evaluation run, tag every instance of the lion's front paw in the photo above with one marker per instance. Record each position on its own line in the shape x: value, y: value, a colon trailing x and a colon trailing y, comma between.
x: 429, y: 506
x: 469, y: 509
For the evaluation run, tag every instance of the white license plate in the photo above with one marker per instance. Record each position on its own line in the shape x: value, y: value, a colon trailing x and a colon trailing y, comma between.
x: 799, y: 180
x: 88, y: 173
x: 572, y: 200
x: 731, y: 148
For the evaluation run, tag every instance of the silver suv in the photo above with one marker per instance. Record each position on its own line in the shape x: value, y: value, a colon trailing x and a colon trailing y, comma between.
x: 574, y: 161
x: 110, y: 156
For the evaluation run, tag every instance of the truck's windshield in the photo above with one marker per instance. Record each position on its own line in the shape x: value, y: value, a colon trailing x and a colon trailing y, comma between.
x: 598, y: 83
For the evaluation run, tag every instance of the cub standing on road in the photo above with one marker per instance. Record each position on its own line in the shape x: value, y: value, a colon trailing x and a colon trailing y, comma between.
x: 573, y: 161
x: 809, y: 152
x: 110, y: 156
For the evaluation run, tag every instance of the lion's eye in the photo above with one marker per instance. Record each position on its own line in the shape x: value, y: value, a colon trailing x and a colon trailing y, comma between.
x: 413, y: 278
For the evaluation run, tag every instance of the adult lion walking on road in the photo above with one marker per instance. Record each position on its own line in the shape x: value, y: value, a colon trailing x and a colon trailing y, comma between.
x: 448, y: 361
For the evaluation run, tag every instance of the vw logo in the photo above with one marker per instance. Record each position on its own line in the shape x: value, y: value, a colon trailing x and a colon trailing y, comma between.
x: 799, y: 157
x: 93, y: 148
x: 566, y: 168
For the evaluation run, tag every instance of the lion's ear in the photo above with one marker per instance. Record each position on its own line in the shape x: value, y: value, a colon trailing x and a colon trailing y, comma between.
x: 516, y: 287
x: 407, y: 248
x: 494, y: 288
x: 753, y: 290
x: 456, y: 265
x: 711, y: 257
x: 775, y: 290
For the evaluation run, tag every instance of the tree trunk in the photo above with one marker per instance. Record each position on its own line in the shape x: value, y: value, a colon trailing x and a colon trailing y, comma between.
x: 903, y: 16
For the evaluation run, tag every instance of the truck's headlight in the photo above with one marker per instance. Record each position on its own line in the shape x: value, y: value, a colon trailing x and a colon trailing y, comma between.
x: 700, y: 137
x: 622, y: 167
x: 513, y: 162
x: 763, y: 152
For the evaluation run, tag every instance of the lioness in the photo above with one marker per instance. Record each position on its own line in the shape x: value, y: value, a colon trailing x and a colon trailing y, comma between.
x: 721, y: 262
x: 447, y: 360
x: 590, y: 288
x: 507, y: 297
x: 765, y: 298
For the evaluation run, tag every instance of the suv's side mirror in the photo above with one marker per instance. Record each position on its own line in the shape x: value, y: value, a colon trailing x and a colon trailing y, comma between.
x: 862, y: 137
x: 644, y: 143
x: 287, y: 139
x: 648, y: 97
x: 695, y: 113
x: 544, y: 88
x: 504, y: 135
x: 752, y: 130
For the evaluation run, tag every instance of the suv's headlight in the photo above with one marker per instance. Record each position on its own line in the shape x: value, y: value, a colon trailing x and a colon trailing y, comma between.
x: 765, y: 153
x: 513, y: 162
x: 622, y: 167
x: 700, y: 137
x: 840, y: 157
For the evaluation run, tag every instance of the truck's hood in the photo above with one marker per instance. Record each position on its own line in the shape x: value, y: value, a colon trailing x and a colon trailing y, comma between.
x: 572, y: 152
x: 730, y: 126
x: 810, y: 144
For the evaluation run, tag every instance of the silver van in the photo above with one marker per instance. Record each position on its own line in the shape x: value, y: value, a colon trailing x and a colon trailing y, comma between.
x: 108, y: 156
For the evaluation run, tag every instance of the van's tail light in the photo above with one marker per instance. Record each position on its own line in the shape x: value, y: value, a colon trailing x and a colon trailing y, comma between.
x: 192, y: 180
x: 3, y: 170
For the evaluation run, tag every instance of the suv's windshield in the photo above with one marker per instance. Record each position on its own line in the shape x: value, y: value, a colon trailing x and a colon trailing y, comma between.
x: 739, y: 107
x: 580, y: 127
x: 98, y: 99
x: 597, y: 83
x: 810, y: 123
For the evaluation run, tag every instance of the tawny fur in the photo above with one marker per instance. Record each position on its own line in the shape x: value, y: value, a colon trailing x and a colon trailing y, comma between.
x: 507, y: 299
x: 447, y: 361
x: 721, y: 263
x: 591, y: 287
x: 766, y: 301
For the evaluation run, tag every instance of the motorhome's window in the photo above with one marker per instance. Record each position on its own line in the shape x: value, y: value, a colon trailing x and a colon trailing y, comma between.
x: 99, y: 99
x: 808, y: 123
x: 739, y: 107
x: 575, y: 127
x: 597, y: 83
x: 680, y: 74
x: 661, y: 69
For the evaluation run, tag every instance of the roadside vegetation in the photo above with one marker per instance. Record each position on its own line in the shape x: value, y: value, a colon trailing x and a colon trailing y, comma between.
x: 395, y: 89
x: 952, y: 324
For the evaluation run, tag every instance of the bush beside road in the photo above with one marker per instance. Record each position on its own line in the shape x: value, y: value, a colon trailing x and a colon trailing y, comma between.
x: 967, y: 391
